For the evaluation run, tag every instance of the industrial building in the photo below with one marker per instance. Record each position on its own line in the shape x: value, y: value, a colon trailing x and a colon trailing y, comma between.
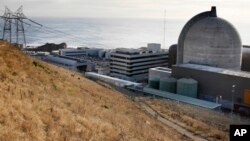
x: 216, y: 82
x: 209, y: 51
x: 80, y: 52
x: 73, y: 52
x: 67, y: 62
x: 134, y: 64
x: 209, y: 63
x: 111, y: 80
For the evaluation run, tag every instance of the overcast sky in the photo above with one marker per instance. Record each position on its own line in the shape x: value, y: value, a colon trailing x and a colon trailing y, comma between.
x: 236, y: 10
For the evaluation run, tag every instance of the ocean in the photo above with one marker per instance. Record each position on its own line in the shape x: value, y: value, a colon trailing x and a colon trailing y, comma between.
x: 107, y: 33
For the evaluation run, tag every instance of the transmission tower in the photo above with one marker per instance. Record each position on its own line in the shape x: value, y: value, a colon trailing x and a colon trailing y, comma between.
x: 20, y: 32
x: 15, y: 20
x: 8, y: 16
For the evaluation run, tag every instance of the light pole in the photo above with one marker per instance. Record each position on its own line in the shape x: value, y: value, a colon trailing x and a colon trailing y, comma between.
x: 220, y: 98
x: 233, y: 91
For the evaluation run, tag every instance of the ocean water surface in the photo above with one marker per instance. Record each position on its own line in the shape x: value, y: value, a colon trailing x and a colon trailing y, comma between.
x: 108, y: 33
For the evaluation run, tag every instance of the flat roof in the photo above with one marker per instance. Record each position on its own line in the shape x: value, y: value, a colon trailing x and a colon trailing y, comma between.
x: 185, y: 99
x: 215, y: 70
x: 110, y: 79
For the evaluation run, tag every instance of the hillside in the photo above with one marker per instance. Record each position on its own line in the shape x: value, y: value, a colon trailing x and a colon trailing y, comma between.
x: 48, y: 47
x: 39, y: 101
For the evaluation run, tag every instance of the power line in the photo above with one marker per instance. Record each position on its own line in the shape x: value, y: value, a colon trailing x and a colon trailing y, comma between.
x: 48, y: 32
x: 55, y: 31
x: 21, y: 20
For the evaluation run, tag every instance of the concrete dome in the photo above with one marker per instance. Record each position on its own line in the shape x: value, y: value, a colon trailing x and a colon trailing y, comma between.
x: 209, y: 40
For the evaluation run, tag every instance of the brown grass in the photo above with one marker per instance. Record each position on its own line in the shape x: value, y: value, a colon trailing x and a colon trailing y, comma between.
x: 39, y: 102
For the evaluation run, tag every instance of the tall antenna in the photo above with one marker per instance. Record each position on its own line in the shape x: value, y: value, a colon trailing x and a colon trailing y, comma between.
x: 164, y: 34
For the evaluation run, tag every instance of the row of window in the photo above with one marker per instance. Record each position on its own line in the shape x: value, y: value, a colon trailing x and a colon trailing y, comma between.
x: 131, y: 67
x: 131, y: 63
x: 128, y: 75
x: 141, y: 57
x: 131, y: 71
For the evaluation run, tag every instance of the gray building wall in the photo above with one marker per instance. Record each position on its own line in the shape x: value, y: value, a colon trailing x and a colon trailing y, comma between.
x: 134, y: 66
x: 172, y: 55
x: 159, y: 72
x: 215, y: 83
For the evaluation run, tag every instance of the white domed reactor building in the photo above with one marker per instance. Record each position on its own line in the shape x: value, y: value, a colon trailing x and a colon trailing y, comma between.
x: 209, y: 50
x: 209, y: 40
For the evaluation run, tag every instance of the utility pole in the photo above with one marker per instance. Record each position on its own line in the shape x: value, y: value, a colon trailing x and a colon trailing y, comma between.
x: 164, y: 30
x: 233, y: 91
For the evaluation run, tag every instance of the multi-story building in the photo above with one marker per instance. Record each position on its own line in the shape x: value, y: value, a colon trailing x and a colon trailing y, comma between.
x: 134, y: 64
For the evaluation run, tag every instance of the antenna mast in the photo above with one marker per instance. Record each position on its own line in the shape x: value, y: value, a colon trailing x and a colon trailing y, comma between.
x: 164, y: 34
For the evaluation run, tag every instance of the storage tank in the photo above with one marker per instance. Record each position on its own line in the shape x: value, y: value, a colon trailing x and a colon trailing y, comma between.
x: 168, y: 84
x: 154, y: 83
x: 187, y: 87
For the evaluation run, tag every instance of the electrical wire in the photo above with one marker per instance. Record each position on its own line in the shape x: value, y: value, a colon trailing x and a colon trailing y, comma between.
x: 47, y: 30
x: 56, y: 31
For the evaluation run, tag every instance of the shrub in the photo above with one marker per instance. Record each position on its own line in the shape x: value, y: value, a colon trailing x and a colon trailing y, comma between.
x: 38, y: 64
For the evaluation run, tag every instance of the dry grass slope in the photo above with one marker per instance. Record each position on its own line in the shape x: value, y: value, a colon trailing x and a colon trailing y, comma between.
x: 39, y: 102
x: 211, y: 125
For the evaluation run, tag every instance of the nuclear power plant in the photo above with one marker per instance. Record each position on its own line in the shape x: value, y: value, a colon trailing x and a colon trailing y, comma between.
x: 208, y: 63
x: 211, y: 41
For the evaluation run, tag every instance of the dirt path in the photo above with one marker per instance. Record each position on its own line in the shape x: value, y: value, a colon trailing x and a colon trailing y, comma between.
x: 158, y: 116
x: 165, y: 121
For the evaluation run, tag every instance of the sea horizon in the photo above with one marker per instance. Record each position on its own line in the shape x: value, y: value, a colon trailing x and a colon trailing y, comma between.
x: 109, y: 33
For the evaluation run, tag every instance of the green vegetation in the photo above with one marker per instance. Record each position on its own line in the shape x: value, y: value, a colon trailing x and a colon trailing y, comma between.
x: 39, y: 64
